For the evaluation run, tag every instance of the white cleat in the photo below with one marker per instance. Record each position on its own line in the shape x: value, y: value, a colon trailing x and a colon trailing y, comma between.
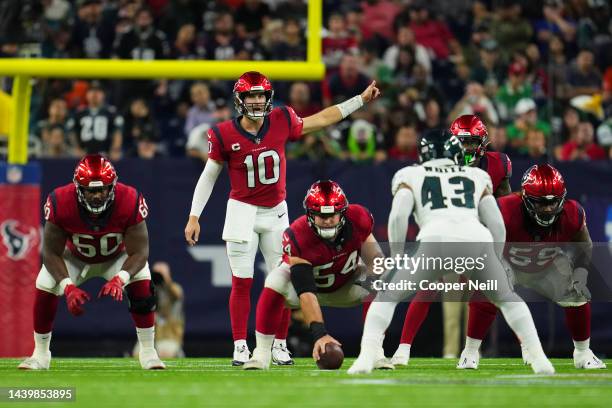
x: 36, y: 362
x: 241, y: 355
x: 281, y: 355
x: 363, y: 365
x: 259, y: 361
x: 382, y: 362
x: 525, y: 355
x: 587, y: 360
x: 149, y: 360
x: 468, y: 360
x: 542, y: 366
x: 402, y: 355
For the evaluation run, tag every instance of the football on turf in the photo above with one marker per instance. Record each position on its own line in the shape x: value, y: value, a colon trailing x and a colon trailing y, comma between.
x: 332, y: 358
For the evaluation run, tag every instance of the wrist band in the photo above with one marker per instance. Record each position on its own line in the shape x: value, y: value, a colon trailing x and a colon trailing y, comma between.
x: 63, y: 283
x: 317, y: 329
x: 349, y: 106
x: 124, y: 276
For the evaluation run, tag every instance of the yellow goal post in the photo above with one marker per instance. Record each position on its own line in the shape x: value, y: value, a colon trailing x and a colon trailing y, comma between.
x: 24, y: 69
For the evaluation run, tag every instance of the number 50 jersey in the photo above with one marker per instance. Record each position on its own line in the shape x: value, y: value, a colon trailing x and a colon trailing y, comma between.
x: 256, y: 163
x: 95, y: 240
x: 446, y: 195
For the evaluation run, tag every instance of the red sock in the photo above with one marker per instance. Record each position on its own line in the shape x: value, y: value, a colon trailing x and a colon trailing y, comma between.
x: 480, y: 318
x: 283, y: 326
x: 240, y: 306
x: 578, y: 321
x: 270, y: 310
x: 365, y: 306
x: 45, y: 308
x: 415, y: 316
x: 141, y: 290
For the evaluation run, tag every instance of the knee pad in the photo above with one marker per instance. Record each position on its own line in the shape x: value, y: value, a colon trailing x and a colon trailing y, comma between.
x: 571, y: 304
x: 46, y: 282
x: 241, y: 259
x: 142, y: 305
x: 278, y: 282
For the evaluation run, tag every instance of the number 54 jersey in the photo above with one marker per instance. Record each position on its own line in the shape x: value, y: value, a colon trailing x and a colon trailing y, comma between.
x: 446, y: 198
x: 95, y: 240
x: 256, y: 162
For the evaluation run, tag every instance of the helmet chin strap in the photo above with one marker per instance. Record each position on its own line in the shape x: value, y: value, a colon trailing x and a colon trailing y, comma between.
x: 327, y: 233
x: 469, y: 158
x: 545, y: 223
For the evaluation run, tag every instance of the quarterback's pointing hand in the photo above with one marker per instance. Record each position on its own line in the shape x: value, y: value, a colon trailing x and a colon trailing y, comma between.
x: 370, y: 93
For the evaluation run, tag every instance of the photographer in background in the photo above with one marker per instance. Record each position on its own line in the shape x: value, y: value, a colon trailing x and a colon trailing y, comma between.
x: 169, y: 316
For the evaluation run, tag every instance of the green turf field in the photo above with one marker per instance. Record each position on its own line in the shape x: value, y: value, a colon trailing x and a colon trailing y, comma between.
x: 213, y: 382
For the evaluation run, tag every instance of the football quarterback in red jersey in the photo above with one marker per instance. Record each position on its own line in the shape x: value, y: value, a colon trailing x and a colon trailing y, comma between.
x: 320, y: 267
x: 95, y: 227
x: 536, y: 219
x: 474, y: 137
x: 253, y: 146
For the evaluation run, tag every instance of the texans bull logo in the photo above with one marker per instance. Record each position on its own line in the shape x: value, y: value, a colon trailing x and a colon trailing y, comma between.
x: 16, y: 240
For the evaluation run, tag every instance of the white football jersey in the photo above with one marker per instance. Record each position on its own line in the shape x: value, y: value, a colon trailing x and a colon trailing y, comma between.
x: 445, y: 194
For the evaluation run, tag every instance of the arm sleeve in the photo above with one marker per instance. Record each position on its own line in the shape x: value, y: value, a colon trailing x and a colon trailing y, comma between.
x: 492, y: 218
x: 401, y: 208
x: 205, y: 186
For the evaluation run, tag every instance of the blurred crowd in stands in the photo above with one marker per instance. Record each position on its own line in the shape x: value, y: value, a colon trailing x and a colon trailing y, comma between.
x: 539, y: 72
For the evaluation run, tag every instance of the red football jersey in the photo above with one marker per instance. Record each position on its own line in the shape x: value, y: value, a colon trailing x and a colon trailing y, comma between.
x: 95, y: 240
x: 256, y: 163
x: 333, y: 265
x: 529, y: 246
x: 498, y: 165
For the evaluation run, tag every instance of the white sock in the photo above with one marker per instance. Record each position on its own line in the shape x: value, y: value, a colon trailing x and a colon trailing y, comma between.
x: 146, y: 337
x: 582, y: 345
x: 264, y: 341
x: 42, y: 341
x: 377, y: 321
x: 279, y: 343
x: 519, y: 319
x: 472, y: 344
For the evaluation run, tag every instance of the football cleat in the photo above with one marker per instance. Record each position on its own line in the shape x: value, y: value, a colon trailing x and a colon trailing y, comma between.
x: 468, y: 360
x: 525, y: 355
x: 402, y: 355
x: 36, y: 362
x: 542, y: 366
x: 382, y: 362
x: 149, y: 360
x: 587, y: 360
x: 363, y: 365
x: 281, y: 355
x: 260, y: 360
x: 241, y: 355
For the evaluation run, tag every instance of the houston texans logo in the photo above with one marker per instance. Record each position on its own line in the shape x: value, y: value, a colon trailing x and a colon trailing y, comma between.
x: 16, y: 240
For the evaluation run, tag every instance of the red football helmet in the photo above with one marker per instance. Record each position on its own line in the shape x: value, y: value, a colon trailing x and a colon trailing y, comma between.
x: 543, y: 191
x: 253, y: 82
x: 325, y: 199
x: 473, y: 135
x: 95, y: 179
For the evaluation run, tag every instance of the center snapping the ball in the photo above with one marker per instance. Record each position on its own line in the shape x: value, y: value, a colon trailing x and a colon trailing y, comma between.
x: 332, y: 358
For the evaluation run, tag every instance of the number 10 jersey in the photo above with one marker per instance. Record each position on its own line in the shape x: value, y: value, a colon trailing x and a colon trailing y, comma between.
x: 256, y: 162
x: 446, y: 195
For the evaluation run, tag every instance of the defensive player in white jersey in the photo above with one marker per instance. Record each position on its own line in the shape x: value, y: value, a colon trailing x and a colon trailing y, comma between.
x: 451, y: 203
x: 253, y: 146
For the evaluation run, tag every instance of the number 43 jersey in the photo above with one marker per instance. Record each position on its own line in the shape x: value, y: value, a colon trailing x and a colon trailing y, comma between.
x: 446, y: 195
x: 95, y: 240
x: 256, y: 163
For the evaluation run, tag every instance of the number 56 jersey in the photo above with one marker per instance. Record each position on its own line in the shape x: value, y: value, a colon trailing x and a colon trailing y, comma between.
x: 95, y: 240
x: 446, y: 198
x: 256, y: 163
